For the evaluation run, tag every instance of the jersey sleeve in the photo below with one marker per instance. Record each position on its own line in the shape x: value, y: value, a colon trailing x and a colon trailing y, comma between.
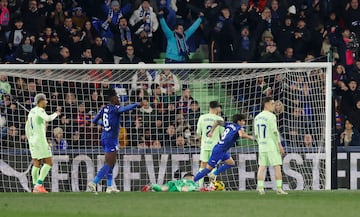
x: 42, y: 114
x: 97, y: 117
x: 122, y: 109
x: 199, y: 126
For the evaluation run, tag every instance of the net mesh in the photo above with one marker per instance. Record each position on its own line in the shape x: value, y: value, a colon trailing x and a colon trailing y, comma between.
x: 158, y: 142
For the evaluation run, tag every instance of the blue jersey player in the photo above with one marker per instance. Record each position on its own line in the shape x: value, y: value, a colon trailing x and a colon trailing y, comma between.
x: 220, y: 152
x: 109, y: 118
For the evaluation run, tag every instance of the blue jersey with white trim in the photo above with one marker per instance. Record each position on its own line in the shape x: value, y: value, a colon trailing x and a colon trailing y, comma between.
x: 110, y: 119
x: 230, y: 136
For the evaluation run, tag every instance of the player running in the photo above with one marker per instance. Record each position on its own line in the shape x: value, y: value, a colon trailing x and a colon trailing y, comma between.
x: 270, y: 148
x: 35, y: 130
x: 110, y: 117
x: 204, y: 125
x: 220, y: 152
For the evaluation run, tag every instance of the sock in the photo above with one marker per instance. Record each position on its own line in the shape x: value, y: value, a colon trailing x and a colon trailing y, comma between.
x: 201, y: 181
x: 156, y: 187
x: 35, y: 174
x: 109, y: 178
x: 222, y: 168
x: 260, y: 184
x: 43, y: 173
x: 279, y: 184
x: 201, y: 174
x: 102, y: 172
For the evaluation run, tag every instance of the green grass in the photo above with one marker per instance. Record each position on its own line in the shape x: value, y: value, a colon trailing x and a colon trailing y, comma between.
x: 208, y: 204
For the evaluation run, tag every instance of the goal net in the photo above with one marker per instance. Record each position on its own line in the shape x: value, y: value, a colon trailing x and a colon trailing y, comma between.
x: 158, y: 141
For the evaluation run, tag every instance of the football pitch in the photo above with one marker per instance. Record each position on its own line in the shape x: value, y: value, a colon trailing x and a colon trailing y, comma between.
x: 194, y: 204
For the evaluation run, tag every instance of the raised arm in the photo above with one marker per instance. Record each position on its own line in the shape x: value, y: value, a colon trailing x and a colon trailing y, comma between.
x: 128, y: 107
x: 243, y: 134
x: 167, y: 31
x: 47, y: 117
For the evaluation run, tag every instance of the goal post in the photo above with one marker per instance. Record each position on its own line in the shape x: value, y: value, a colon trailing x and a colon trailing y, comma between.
x: 158, y: 142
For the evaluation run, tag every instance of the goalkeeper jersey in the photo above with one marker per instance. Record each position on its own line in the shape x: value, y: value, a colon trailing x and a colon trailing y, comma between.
x: 35, y: 125
x: 266, y: 132
x: 205, y: 122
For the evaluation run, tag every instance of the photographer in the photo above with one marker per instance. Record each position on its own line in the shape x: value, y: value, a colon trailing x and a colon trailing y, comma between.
x: 347, y: 45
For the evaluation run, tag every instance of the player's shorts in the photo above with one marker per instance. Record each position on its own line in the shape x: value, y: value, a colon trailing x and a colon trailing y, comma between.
x: 272, y: 158
x: 205, y: 155
x: 109, y: 145
x: 39, y: 148
x: 217, y: 155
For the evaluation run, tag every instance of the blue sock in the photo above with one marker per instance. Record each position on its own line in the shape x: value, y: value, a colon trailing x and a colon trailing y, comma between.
x: 201, y: 174
x: 222, y: 168
x: 109, y: 178
x: 102, y: 172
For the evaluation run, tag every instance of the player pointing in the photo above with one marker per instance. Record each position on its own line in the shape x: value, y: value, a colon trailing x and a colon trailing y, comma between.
x: 270, y: 148
x: 35, y: 130
x: 110, y: 117
x: 220, y: 152
x: 204, y: 125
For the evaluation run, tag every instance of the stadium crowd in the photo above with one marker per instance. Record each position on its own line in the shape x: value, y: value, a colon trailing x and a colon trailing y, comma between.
x: 123, y: 32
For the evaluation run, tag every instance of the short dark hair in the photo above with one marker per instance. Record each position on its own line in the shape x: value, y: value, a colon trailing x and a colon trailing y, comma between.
x: 214, y: 104
x: 266, y: 100
x: 238, y: 117
x: 188, y: 174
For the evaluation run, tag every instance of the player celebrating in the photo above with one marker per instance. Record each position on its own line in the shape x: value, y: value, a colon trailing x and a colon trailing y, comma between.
x: 205, y: 122
x: 270, y: 148
x: 220, y: 152
x: 35, y: 130
x: 186, y: 184
x: 111, y: 117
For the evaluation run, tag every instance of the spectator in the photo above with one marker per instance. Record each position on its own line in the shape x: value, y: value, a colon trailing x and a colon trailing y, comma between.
x: 144, y: 48
x: 123, y: 37
x: 114, y: 14
x: 170, y: 136
x: 79, y: 18
x: 86, y: 57
x: 53, y: 47
x: 350, y: 94
x: 66, y: 31
x: 223, y: 44
x: 32, y: 15
x: 193, y: 114
x: 181, y: 142
x: 354, y: 115
x: 352, y: 11
x: 5, y: 87
x: 58, y: 142
x: 144, y: 19
x: 90, y: 33
x: 147, y: 113
x: 308, y: 141
x: 184, y: 101
x: 177, y: 50
x: 350, y: 136
x: 241, y: 16
x: 286, y: 34
x: 181, y: 123
x: 342, y: 42
x: 4, y: 48
x: 130, y: 57
x: 156, y: 99
x: 302, y: 38
x: 246, y: 46
x: 167, y: 80
x: 26, y: 52
x: 98, y: 50
x: 339, y: 78
x: 4, y: 15
x: 57, y: 17
x: 76, y: 46
x: 16, y: 35
x: 141, y: 80
x: 289, y: 55
x: 271, y: 54
x: 63, y: 56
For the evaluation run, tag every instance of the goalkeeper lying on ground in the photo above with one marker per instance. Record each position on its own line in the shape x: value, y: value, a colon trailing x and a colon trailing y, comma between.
x: 186, y: 184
